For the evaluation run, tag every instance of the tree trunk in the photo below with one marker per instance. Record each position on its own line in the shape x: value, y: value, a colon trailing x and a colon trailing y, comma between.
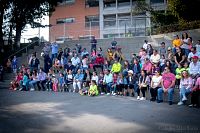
x: 10, y: 36
x: 18, y: 35
x: 1, y: 28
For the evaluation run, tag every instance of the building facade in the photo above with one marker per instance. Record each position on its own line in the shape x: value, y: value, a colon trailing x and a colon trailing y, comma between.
x: 79, y: 19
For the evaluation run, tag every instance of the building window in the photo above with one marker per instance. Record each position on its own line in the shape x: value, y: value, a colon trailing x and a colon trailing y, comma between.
x: 91, y: 21
x: 156, y: 1
x: 124, y: 19
x: 109, y: 3
x: 66, y: 2
x: 123, y: 3
x: 65, y: 20
x: 109, y: 20
x: 91, y: 3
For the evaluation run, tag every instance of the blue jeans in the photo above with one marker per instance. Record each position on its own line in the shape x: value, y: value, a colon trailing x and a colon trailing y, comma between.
x: 108, y: 87
x: 186, y: 52
x: 170, y: 94
x: 183, y: 92
x: 53, y: 56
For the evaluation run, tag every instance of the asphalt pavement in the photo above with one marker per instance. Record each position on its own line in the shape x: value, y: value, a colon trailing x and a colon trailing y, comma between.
x: 63, y: 112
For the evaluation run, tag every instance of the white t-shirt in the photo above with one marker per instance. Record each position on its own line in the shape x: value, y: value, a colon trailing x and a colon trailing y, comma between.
x: 75, y: 61
x: 156, y: 80
x: 145, y: 45
x: 155, y: 58
x: 96, y: 78
x: 190, y: 55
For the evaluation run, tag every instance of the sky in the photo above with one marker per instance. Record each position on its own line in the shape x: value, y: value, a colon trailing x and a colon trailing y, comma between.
x: 30, y: 32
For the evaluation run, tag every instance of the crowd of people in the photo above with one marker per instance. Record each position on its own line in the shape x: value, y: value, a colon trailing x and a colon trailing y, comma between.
x: 99, y: 72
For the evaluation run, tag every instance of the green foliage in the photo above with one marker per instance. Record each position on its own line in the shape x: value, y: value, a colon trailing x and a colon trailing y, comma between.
x: 185, y: 10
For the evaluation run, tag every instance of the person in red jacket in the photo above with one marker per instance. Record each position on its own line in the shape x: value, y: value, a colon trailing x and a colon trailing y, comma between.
x: 99, y: 61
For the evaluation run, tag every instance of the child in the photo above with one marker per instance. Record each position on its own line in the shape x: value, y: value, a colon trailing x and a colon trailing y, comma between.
x: 163, y: 50
x: 115, y: 76
x: 162, y: 60
x: 178, y: 75
x: 61, y: 82
x: 16, y: 82
x: 120, y: 84
x: 93, y: 89
x: 100, y: 83
x: 185, y: 67
x: 55, y: 83
x: 85, y: 89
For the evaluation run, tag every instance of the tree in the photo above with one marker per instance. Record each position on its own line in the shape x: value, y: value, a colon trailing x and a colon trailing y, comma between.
x: 27, y: 12
x: 4, y: 5
x: 185, y: 10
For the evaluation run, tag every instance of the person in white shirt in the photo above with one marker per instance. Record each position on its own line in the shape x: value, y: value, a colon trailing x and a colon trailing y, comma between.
x: 75, y: 60
x: 145, y: 44
x: 155, y: 85
x: 192, y: 53
x: 155, y: 57
x: 95, y: 77
x: 194, y: 68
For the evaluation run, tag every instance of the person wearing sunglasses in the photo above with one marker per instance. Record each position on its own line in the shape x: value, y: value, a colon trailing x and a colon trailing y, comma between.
x: 167, y: 86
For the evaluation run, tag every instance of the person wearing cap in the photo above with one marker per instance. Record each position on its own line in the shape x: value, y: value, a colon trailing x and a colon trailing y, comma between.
x: 194, y: 67
x: 162, y: 49
x: 192, y: 53
x: 116, y: 67
x: 132, y: 81
x: 167, y: 86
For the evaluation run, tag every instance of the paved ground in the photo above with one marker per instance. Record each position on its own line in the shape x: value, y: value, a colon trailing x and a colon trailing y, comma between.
x: 48, y: 112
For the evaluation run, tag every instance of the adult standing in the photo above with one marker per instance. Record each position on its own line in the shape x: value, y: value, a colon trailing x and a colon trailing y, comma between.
x: 93, y: 43
x: 54, y: 51
x: 47, y: 63
x: 14, y: 64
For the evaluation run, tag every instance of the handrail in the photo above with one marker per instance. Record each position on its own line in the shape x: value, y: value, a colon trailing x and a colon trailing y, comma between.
x: 23, y: 48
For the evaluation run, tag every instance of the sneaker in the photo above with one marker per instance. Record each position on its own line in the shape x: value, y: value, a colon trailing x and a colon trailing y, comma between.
x: 159, y: 101
x: 170, y: 102
x: 20, y: 89
x: 138, y: 98
x: 142, y: 98
x: 152, y: 99
x: 102, y: 93
x: 184, y: 99
x: 180, y: 103
x: 108, y: 94
x: 32, y: 89
x: 114, y: 94
x: 192, y: 105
